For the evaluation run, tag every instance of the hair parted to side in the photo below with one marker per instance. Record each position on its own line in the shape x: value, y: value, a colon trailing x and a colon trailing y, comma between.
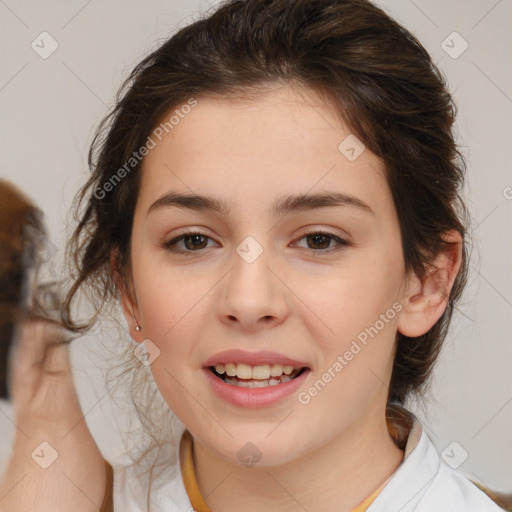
x: 384, y: 87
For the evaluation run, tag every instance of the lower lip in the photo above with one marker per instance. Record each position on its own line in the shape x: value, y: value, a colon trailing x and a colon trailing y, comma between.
x: 254, y: 398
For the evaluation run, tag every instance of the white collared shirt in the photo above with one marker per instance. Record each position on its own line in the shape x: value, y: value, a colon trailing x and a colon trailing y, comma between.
x: 423, y: 482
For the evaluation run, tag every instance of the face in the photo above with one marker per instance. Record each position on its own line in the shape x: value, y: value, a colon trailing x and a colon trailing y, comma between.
x: 302, y: 268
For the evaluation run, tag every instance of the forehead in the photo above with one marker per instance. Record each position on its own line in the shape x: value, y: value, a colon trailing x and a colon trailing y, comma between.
x: 249, y: 151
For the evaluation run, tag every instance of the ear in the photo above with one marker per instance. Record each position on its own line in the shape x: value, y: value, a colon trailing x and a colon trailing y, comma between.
x: 124, y: 285
x: 426, y: 299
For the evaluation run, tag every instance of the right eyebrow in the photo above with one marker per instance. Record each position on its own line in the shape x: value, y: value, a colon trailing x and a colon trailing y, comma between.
x: 189, y: 201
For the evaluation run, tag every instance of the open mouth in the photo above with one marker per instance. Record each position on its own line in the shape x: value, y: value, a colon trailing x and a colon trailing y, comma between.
x: 262, y: 376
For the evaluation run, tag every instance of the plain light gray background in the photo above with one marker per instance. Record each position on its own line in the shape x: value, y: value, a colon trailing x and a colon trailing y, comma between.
x: 49, y: 108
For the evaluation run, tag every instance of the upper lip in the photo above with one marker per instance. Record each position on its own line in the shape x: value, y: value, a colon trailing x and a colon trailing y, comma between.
x: 253, y: 358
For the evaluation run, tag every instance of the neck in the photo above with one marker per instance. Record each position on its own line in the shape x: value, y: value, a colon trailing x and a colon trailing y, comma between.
x: 336, y: 477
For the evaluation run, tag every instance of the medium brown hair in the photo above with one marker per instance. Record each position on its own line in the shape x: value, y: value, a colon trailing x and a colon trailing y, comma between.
x: 23, y: 239
x: 383, y: 85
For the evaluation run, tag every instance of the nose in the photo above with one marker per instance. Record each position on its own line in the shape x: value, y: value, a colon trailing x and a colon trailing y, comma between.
x: 253, y: 296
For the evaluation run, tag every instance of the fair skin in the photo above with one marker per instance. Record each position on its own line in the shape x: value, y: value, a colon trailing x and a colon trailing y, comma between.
x: 48, y: 411
x: 296, y: 299
x: 300, y: 298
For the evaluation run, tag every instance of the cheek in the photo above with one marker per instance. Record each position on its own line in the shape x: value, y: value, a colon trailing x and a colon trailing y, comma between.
x: 170, y: 301
x: 361, y: 311
x: 357, y: 298
x: 174, y: 307
x: 172, y: 311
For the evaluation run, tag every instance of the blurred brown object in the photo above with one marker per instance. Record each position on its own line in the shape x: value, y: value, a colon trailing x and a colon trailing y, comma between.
x: 501, y: 499
x: 21, y: 235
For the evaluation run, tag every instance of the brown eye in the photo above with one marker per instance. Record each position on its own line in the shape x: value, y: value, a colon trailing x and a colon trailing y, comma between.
x: 197, y: 241
x: 187, y: 243
x: 319, y: 241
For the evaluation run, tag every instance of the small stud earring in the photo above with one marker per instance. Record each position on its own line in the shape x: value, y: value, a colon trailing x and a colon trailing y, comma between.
x: 138, y: 328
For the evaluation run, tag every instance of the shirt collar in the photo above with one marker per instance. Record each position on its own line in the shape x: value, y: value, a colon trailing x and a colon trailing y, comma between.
x: 403, y: 427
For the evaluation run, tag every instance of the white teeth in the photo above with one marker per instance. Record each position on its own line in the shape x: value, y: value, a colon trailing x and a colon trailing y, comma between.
x: 276, y: 370
x: 262, y: 376
x: 260, y: 372
x: 230, y: 369
x: 244, y: 371
x: 253, y: 383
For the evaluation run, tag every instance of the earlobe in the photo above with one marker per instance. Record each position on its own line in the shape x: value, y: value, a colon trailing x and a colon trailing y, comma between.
x: 128, y: 303
x: 427, y: 298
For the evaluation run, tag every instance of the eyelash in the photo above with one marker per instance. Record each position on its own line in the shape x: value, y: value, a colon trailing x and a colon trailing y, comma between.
x: 169, y: 245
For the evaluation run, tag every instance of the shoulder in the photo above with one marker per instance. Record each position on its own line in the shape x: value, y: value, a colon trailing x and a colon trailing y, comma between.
x: 452, y: 491
x: 425, y: 483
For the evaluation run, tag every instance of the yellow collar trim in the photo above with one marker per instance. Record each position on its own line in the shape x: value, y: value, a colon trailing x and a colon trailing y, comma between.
x: 399, y: 422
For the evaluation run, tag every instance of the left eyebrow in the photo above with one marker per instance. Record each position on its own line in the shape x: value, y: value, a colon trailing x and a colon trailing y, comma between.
x: 304, y: 202
x: 285, y: 204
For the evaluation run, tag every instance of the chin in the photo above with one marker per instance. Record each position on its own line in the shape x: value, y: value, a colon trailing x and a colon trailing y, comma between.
x: 255, y: 448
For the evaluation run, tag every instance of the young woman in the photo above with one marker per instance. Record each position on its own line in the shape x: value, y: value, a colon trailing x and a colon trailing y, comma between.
x: 275, y: 202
